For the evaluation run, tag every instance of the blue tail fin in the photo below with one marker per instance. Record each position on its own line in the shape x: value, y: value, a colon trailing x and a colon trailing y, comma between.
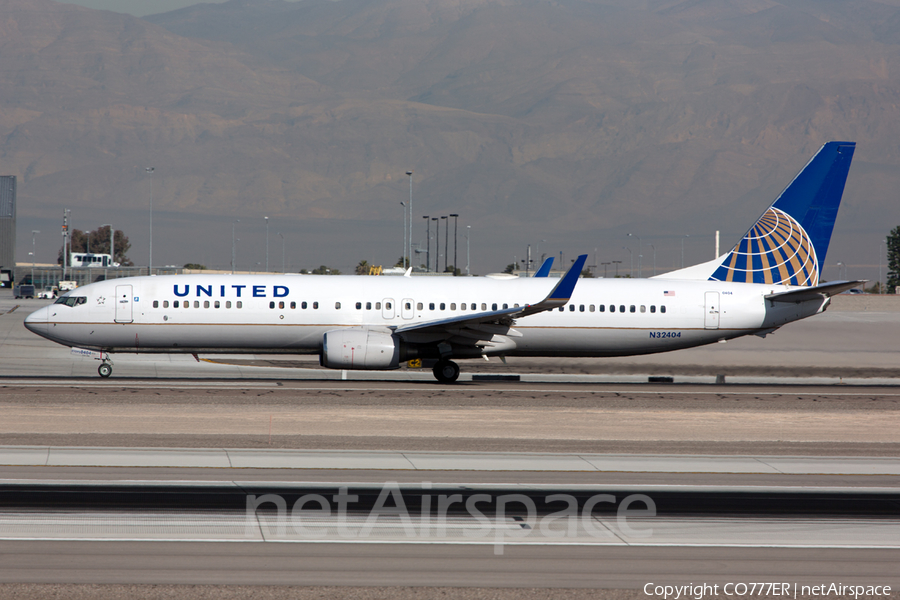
x: 789, y: 242
x: 544, y: 271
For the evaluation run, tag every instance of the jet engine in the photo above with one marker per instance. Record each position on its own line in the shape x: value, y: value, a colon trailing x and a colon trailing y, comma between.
x: 360, y: 349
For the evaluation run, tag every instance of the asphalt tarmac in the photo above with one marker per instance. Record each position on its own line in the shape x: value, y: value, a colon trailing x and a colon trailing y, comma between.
x: 50, y: 398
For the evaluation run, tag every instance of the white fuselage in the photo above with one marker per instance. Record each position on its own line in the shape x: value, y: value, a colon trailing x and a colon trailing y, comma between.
x: 291, y: 313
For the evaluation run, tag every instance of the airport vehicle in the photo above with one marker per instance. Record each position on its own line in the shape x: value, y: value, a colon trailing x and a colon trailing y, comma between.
x: 24, y: 290
x: 87, y: 259
x: 770, y: 278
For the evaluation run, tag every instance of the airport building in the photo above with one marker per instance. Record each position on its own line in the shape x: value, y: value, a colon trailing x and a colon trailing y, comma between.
x: 7, y: 228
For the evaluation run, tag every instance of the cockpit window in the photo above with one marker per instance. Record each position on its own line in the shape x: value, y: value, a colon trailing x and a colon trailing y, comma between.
x: 71, y: 300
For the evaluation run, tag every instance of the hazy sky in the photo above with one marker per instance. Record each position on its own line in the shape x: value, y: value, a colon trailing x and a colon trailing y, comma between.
x: 139, y: 7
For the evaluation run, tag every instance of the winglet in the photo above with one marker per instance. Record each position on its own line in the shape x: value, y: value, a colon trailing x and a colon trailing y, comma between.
x: 544, y: 271
x: 563, y: 290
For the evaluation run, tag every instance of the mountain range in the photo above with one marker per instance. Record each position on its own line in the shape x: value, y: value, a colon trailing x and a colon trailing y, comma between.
x: 560, y: 123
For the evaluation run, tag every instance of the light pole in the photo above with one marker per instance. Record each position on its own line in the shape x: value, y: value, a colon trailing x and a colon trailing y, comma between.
x: 455, y: 223
x: 282, y: 253
x: 605, y: 264
x: 682, y: 249
x: 233, y: 223
x: 409, y: 243
x: 654, y: 259
x: 149, y: 171
x: 437, y: 244
x: 65, y: 234
x: 33, y: 232
x: 840, y: 267
x: 427, y: 242
x: 267, y: 243
x: 446, y: 241
x: 617, y: 263
x: 640, y: 255
x: 405, y: 232
x: 468, y: 231
x: 112, y: 239
x: 880, y: 286
x: 632, y: 260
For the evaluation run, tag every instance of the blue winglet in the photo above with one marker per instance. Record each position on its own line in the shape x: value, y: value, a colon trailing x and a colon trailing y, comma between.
x: 544, y: 271
x: 563, y: 290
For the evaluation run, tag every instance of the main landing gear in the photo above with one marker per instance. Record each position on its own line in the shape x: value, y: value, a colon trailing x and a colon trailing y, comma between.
x: 446, y: 371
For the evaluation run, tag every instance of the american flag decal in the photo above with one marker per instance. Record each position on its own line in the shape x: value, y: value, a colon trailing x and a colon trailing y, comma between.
x: 668, y: 293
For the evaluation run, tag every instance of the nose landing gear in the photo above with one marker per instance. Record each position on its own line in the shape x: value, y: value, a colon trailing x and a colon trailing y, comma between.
x: 105, y: 368
x: 446, y: 371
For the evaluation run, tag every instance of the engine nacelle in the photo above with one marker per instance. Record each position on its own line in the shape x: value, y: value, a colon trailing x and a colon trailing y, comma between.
x: 360, y: 349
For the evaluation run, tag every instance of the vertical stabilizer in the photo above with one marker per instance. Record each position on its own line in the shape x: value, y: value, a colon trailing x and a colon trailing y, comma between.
x: 788, y: 243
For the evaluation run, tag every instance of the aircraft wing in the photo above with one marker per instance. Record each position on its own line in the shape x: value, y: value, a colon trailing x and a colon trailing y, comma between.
x: 559, y: 296
x: 826, y: 290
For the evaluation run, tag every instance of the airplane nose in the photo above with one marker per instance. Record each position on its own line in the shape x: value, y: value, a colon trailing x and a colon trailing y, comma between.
x: 36, y: 322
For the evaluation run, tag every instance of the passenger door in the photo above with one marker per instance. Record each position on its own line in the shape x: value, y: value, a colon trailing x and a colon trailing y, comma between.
x: 123, y: 304
x: 711, y: 319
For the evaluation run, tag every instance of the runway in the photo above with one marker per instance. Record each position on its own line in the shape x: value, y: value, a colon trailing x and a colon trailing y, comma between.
x: 789, y: 471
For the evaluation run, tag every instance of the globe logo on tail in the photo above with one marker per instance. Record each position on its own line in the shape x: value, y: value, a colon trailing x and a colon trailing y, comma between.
x: 777, y: 250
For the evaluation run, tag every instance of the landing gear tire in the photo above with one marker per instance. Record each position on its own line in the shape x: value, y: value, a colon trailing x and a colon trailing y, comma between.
x: 105, y: 370
x: 446, y: 371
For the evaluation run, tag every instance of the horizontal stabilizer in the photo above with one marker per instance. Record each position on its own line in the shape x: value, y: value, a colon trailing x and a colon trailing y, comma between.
x: 826, y: 290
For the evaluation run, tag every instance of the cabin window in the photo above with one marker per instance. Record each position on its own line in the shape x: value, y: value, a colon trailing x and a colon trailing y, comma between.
x: 419, y: 306
x: 516, y: 305
x: 272, y: 304
x: 206, y: 304
x: 408, y: 305
x: 462, y: 306
x: 621, y: 308
x: 378, y: 306
x: 368, y: 306
x: 453, y: 306
x: 571, y: 308
x: 196, y: 304
x: 474, y: 306
x: 239, y: 304
x: 165, y: 304
x: 228, y: 304
x: 431, y: 306
x: 175, y: 304
x: 156, y: 304
x: 643, y: 308
x: 484, y: 306
x: 359, y: 306
x: 280, y: 304
x: 337, y: 306
x: 562, y: 308
x: 443, y: 306
x: 581, y: 308
x: 293, y: 305
x: 601, y: 307
x: 505, y: 306
x: 652, y: 308
x: 315, y: 305
x: 591, y: 308
x: 388, y: 305
x: 612, y: 308
x: 303, y: 305
x: 217, y: 305
x: 662, y: 309
x: 632, y: 308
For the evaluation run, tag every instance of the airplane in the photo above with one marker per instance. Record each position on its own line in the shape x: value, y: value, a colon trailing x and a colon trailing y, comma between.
x: 770, y: 278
